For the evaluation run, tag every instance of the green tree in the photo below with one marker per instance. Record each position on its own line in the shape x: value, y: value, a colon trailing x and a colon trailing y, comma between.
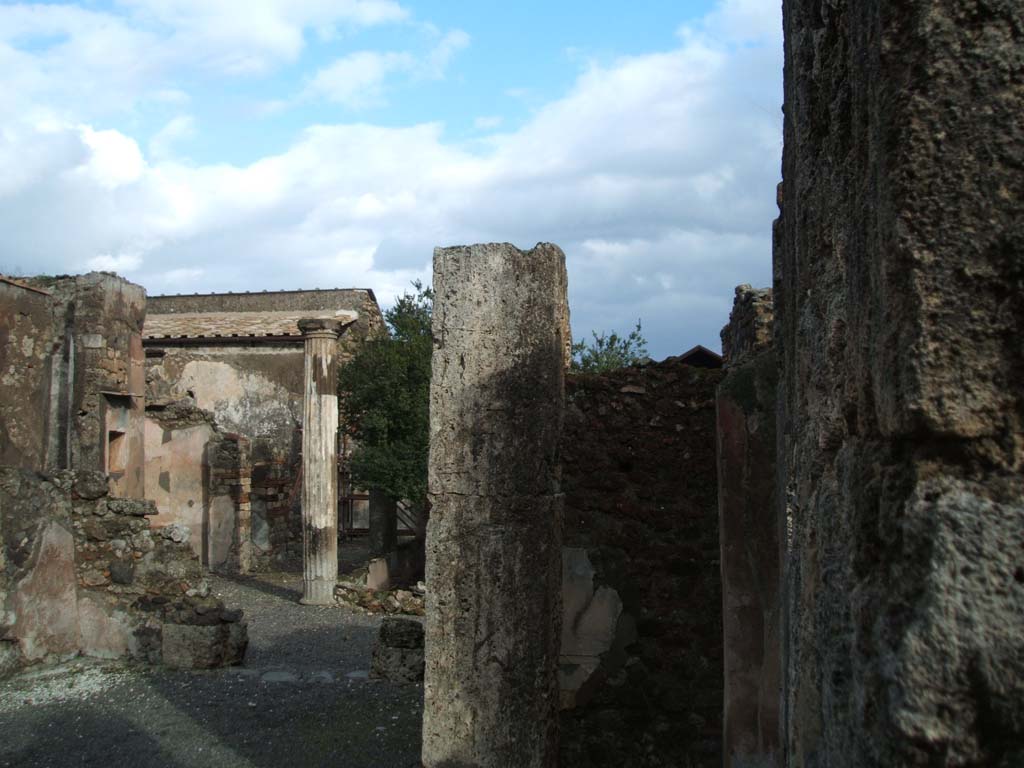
x: 608, y: 352
x: 384, y: 395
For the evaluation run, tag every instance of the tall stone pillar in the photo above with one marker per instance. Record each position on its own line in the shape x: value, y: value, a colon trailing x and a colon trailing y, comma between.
x: 899, y: 303
x: 494, y: 537
x: 749, y: 534
x: 320, y: 462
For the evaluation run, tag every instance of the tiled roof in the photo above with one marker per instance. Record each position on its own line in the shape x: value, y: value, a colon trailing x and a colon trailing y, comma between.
x: 200, y: 325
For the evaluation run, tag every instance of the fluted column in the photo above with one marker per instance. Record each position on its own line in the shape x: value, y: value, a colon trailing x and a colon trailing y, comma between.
x: 320, y: 462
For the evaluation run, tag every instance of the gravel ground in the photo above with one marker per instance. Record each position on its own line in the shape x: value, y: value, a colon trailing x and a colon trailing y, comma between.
x: 302, y: 698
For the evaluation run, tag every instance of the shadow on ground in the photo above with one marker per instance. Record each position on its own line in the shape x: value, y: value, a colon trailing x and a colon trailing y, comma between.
x: 302, y: 699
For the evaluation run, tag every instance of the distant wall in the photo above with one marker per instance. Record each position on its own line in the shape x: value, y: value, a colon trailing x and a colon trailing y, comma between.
x: 246, y: 386
x: 30, y: 403
x: 641, y: 659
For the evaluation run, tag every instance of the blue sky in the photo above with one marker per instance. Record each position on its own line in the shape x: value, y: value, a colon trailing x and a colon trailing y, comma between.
x: 196, y: 145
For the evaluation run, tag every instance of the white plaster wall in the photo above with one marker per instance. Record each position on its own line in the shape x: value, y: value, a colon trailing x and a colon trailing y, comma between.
x: 179, y: 453
x: 242, y: 402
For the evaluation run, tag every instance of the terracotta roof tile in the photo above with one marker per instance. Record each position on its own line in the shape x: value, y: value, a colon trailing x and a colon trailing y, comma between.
x: 199, y: 325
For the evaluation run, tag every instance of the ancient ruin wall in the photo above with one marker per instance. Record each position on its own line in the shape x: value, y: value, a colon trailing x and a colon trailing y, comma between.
x: 642, y: 634
x: 98, y: 333
x: 250, y: 385
x: 28, y: 337
x: 749, y: 533
x: 84, y: 573
x: 73, y: 376
x: 900, y: 308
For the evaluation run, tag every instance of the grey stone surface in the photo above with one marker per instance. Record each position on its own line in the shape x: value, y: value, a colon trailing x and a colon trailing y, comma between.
x: 494, y: 537
x: 401, y: 633
x: 899, y: 297
x: 398, y: 654
x: 192, y: 646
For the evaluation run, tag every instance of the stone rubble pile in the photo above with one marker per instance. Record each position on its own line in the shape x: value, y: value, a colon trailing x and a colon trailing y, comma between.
x: 356, y: 595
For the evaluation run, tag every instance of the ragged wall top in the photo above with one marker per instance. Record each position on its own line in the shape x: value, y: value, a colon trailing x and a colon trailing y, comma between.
x: 749, y: 331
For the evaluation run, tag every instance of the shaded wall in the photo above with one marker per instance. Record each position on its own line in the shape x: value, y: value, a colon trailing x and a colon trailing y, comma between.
x: 642, y: 633
x: 749, y: 534
x: 253, y: 392
x: 899, y: 299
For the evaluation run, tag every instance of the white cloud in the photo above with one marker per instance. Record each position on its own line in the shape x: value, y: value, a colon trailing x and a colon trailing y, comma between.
x: 122, y: 262
x: 240, y: 36
x: 178, y: 129
x: 439, y: 58
x: 115, y: 159
x: 358, y: 80
x: 488, y: 122
x: 655, y: 173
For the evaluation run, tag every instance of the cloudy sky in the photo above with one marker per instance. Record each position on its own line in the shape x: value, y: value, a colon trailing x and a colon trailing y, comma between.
x: 216, y: 145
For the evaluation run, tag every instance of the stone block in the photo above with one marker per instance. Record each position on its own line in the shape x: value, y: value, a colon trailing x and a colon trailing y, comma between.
x: 189, y: 646
x: 398, y: 653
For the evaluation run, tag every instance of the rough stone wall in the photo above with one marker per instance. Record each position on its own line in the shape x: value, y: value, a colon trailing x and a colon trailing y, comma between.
x: 642, y: 585
x: 201, y: 477
x: 99, y: 320
x: 83, y: 573
x: 28, y: 336
x: 899, y: 296
x: 72, y: 380
x: 749, y: 534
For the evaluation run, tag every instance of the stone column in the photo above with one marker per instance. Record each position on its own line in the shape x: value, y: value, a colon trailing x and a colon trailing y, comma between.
x: 899, y: 301
x: 320, y: 462
x: 749, y: 533
x: 494, y: 536
x: 383, y: 523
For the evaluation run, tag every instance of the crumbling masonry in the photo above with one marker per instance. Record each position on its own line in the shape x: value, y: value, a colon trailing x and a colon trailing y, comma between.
x: 81, y: 568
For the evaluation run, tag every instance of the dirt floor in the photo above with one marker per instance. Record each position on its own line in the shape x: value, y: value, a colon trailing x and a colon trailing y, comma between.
x: 303, y: 698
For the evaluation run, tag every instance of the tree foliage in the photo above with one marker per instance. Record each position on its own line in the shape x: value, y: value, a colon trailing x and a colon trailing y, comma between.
x: 384, y: 396
x: 609, y: 352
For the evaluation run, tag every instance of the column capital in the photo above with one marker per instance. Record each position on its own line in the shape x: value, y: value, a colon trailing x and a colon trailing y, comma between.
x: 321, y: 327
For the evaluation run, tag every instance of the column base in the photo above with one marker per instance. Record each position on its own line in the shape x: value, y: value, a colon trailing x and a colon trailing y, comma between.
x: 318, y: 592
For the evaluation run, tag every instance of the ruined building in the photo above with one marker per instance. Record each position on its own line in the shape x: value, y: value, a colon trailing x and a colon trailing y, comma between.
x: 224, y: 387
x: 82, y: 570
x: 809, y: 557
x: 870, y: 448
